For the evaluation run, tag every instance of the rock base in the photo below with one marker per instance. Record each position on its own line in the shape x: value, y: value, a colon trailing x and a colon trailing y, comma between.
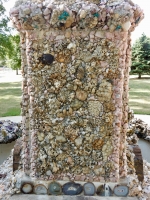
x: 46, y: 197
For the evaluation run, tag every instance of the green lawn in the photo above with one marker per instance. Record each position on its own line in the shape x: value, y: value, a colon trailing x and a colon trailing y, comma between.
x: 10, y: 98
x: 139, y: 95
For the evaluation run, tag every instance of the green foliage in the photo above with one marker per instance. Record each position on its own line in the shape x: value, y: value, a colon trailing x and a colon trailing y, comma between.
x: 3, y: 19
x: 5, y: 45
x: 9, y: 45
x: 141, y: 56
x: 14, y: 56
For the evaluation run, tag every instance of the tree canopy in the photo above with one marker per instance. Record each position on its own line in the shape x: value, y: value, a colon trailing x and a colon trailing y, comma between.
x: 5, y: 44
x: 141, y: 56
x: 9, y: 45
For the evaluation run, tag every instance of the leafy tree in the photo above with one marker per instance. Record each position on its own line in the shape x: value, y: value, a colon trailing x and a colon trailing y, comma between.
x: 9, y: 45
x: 14, y: 57
x: 141, y: 56
x: 4, y: 31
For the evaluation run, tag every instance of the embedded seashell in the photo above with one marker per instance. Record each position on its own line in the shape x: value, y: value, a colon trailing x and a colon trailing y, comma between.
x: 78, y: 142
x: 62, y: 58
x: 126, y: 26
x: 70, y: 160
x: 71, y: 134
x: 71, y: 46
x: 80, y: 72
x: 76, y: 104
x: 95, y: 108
x: 112, y: 27
x: 40, y: 136
x: 83, y: 14
x: 97, y: 144
x: 60, y: 138
x: 40, y: 189
x: 81, y: 95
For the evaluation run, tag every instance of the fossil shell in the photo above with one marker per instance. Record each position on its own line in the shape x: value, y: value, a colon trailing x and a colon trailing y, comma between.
x: 97, y: 144
x: 78, y: 142
x: 81, y: 95
x: 95, y: 108
x: 71, y: 134
x: 80, y: 72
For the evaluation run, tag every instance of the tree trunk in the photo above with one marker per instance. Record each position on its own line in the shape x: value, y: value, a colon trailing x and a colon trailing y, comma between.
x: 140, y: 75
x: 16, y: 71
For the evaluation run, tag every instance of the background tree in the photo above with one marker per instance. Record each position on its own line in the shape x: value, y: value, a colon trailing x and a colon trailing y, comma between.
x: 14, y: 57
x: 141, y: 56
x: 4, y: 31
x: 9, y: 45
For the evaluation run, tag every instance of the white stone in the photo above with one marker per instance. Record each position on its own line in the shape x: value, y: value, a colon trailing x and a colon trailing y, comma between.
x: 126, y: 26
x: 60, y: 138
x: 99, y: 34
x: 83, y: 14
x: 78, y: 142
x: 60, y: 37
x: 71, y: 46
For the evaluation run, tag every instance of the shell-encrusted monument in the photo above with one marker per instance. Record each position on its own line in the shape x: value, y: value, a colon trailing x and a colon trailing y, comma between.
x: 76, y: 56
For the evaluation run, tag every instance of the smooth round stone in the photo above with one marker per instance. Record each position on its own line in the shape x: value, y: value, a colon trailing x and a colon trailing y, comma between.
x: 47, y: 59
x: 72, y: 188
x: 40, y: 189
x: 55, y: 188
x: 89, y: 189
x: 104, y: 190
x: 27, y: 188
x: 121, y: 190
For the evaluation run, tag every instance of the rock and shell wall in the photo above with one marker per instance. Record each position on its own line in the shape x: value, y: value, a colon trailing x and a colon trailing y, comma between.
x: 75, y: 65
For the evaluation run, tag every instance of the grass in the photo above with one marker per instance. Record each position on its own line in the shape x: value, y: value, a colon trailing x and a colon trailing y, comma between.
x: 139, y: 95
x: 10, y: 98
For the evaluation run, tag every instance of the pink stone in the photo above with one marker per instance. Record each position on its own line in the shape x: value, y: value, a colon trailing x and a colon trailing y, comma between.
x: 82, y: 178
x: 104, y: 64
x: 47, y: 11
x: 109, y: 35
x: 77, y: 177
x: 105, y: 27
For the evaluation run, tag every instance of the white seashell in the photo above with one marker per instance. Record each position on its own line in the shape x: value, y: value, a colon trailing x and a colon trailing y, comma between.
x: 71, y: 46
x: 78, y: 142
x: 83, y: 14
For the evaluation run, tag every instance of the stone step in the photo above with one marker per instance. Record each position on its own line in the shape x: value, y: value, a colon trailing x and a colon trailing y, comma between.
x: 50, y: 197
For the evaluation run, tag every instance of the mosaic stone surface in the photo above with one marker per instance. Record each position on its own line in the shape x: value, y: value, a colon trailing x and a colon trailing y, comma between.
x: 75, y: 64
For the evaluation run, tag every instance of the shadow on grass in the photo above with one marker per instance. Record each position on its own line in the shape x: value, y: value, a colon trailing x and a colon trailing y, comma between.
x: 10, y: 90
